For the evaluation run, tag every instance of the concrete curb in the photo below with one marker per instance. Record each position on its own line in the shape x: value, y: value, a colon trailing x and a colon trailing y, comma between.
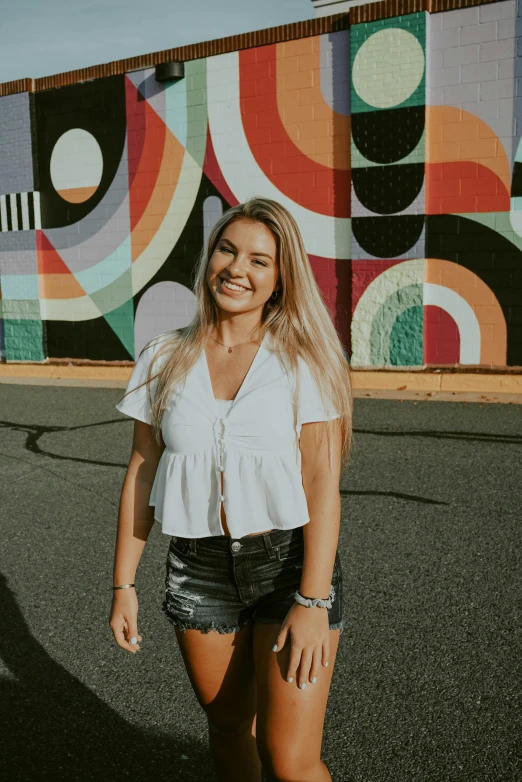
x: 437, y: 386
x: 438, y: 382
x: 438, y: 396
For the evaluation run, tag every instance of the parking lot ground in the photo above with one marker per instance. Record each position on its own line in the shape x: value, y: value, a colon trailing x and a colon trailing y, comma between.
x: 427, y: 685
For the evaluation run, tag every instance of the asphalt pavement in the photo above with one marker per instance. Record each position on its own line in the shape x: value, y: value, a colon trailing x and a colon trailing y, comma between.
x: 427, y: 685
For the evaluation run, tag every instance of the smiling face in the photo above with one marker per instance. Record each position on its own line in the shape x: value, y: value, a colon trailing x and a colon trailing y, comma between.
x: 243, y: 270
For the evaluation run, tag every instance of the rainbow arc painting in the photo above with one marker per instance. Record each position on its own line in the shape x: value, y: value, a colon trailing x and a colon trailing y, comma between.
x: 393, y: 143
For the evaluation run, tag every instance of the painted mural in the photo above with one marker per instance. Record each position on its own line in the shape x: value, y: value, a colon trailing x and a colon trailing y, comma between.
x: 395, y: 144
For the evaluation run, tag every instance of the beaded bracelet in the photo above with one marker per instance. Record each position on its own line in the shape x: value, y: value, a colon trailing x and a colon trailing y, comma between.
x: 312, y: 602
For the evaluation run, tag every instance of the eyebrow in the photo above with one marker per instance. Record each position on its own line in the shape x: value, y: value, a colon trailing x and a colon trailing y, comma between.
x: 265, y: 255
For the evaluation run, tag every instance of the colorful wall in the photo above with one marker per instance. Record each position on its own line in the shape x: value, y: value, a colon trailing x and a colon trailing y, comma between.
x: 395, y: 144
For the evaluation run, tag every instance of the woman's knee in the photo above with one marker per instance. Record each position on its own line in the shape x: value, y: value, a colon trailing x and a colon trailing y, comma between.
x: 285, y: 764
x: 229, y: 722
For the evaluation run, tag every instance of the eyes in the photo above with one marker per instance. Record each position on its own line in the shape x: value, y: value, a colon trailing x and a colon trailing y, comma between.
x: 225, y: 249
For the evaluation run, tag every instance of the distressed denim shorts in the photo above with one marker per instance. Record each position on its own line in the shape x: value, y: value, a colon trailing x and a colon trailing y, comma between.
x: 222, y: 583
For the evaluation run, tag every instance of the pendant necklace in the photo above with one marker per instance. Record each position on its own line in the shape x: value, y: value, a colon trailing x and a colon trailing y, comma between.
x: 227, y: 346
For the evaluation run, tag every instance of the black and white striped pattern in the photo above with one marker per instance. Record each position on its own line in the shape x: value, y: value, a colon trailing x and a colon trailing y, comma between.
x: 20, y: 212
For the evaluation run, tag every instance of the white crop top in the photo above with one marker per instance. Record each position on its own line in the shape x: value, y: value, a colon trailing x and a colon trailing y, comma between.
x: 250, y: 439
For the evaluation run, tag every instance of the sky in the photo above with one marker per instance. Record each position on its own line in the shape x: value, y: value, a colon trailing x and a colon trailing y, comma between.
x: 44, y: 37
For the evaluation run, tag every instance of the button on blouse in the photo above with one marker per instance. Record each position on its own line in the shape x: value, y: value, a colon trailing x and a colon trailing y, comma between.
x: 249, y: 442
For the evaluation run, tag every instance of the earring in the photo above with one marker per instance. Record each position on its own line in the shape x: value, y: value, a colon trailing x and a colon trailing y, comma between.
x: 274, y: 295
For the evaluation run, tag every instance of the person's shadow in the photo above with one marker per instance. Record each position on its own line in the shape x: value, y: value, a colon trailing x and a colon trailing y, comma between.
x: 53, y: 728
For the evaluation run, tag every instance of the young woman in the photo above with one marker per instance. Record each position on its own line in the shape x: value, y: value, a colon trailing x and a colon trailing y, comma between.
x: 243, y: 423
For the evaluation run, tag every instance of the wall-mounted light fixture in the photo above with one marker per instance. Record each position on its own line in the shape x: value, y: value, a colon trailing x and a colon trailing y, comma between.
x: 169, y: 71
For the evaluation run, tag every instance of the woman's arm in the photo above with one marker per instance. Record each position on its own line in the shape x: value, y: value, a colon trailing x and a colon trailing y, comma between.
x: 321, y: 487
x: 135, y: 516
x: 308, y: 628
x: 135, y: 520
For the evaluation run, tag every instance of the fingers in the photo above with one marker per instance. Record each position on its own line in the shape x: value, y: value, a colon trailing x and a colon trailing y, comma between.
x: 293, y: 663
x: 125, y: 634
x: 326, y: 653
x: 304, y: 662
x: 132, y: 636
x: 304, y: 668
x: 281, y: 639
x: 124, y: 621
x: 316, y: 664
x: 304, y: 665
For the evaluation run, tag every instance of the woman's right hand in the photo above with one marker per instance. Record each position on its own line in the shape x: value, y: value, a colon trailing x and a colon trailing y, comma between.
x: 124, y: 619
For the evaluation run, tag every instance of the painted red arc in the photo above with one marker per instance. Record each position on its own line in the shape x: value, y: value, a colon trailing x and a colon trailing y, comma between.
x: 464, y: 187
x: 363, y: 273
x: 441, y: 337
x: 49, y: 260
x: 212, y: 170
x: 146, y: 135
x: 333, y: 278
x: 318, y: 188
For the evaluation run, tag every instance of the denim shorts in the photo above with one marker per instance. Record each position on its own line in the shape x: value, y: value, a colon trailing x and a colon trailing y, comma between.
x: 222, y: 583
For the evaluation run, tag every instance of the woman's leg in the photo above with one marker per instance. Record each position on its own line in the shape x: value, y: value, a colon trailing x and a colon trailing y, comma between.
x: 289, y: 720
x: 221, y: 670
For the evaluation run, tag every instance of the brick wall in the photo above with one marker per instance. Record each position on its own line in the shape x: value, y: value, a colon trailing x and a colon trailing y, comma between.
x: 390, y: 133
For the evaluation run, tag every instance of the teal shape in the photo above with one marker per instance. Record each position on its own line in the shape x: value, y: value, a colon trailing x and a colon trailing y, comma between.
x: 20, y: 286
x: 417, y: 155
x: 121, y: 321
x: 412, y: 23
x: 186, y: 109
x: 99, y: 276
x: 391, y: 309
x: 23, y: 340
x: 406, y: 338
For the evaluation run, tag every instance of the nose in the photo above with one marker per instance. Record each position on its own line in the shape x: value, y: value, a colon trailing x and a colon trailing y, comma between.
x: 237, y: 263
x: 238, y: 266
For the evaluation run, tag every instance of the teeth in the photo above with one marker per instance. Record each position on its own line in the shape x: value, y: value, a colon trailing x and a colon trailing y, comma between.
x: 233, y: 287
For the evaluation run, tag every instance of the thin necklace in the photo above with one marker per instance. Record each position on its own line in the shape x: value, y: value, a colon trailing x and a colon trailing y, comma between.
x: 227, y: 346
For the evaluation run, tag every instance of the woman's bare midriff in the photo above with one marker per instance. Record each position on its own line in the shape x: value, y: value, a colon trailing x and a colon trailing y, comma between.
x: 224, y: 519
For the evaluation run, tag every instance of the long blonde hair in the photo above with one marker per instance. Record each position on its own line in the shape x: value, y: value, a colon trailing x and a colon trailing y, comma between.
x: 298, y: 323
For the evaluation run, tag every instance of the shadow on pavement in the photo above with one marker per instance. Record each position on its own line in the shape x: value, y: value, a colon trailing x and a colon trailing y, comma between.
x: 53, y: 727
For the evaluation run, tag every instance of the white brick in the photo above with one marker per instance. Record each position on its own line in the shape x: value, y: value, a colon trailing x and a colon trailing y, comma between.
x: 505, y: 69
x: 445, y: 76
x: 494, y: 11
x: 461, y: 55
x: 221, y: 93
x: 497, y: 50
x: 479, y: 32
x: 454, y: 96
x: 506, y: 29
x: 436, y: 96
x: 445, y: 39
x: 460, y: 18
x: 497, y: 89
x: 434, y: 22
x: 485, y: 71
x: 504, y: 128
x: 489, y: 109
x: 506, y: 109
x: 435, y: 60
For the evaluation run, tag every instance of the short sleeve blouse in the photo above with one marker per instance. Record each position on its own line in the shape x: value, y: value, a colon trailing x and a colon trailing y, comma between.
x: 250, y: 441
x: 137, y: 404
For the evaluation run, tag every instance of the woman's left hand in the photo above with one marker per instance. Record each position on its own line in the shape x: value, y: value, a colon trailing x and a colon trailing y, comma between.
x: 309, y: 633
